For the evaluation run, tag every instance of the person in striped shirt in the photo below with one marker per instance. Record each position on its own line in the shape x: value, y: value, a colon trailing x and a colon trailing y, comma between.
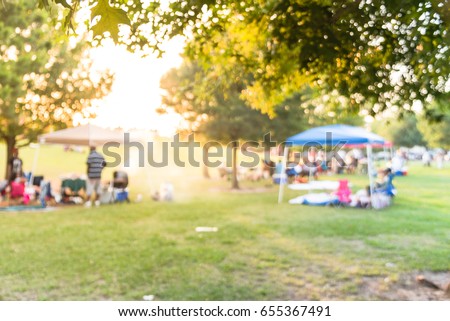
x: 95, y: 164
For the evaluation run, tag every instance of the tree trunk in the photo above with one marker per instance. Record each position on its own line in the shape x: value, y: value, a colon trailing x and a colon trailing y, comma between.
x: 234, y: 180
x: 10, y: 144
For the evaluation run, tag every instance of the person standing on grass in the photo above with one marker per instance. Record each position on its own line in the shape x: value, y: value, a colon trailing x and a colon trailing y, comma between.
x: 15, y: 165
x: 426, y: 159
x: 95, y: 164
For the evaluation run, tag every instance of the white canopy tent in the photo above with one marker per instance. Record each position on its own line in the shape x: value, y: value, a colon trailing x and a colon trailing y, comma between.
x: 84, y: 135
x: 330, y: 136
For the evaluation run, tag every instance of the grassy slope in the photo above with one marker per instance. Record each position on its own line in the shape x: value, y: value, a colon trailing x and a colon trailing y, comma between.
x: 262, y: 250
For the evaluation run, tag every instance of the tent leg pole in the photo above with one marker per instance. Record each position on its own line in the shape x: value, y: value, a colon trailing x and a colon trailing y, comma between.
x: 369, y: 171
x: 283, y: 174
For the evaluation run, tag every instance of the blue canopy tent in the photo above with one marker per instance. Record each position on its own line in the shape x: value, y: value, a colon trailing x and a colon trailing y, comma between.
x: 333, y: 135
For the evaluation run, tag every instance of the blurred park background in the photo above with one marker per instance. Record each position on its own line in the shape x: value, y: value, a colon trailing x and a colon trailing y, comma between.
x: 230, y: 73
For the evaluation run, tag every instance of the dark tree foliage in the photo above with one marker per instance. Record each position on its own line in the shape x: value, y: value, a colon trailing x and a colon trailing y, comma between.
x: 381, y: 54
x: 44, y: 80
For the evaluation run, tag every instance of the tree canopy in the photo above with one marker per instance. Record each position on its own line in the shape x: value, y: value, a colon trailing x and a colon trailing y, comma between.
x: 401, y: 132
x: 212, y: 104
x: 380, y: 54
x: 44, y: 79
x: 437, y: 134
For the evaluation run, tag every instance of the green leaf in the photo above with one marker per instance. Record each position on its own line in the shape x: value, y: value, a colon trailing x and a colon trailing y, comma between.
x: 110, y: 18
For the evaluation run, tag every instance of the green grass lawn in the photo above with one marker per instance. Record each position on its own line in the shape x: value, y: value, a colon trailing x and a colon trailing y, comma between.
x: 262, y: 251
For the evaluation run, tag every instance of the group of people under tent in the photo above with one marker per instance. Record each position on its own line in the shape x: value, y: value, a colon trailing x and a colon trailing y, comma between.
x: 22, y: 188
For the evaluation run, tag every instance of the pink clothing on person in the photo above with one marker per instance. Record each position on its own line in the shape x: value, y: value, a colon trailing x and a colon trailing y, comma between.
x: 17, y: 189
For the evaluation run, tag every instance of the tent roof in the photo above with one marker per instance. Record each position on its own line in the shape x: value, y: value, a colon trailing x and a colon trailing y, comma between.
x: 387, y: 144
x: 85, y: 135
x: 335, y: 134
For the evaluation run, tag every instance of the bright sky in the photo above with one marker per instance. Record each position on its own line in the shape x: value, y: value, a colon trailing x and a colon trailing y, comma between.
x: 136, y: 93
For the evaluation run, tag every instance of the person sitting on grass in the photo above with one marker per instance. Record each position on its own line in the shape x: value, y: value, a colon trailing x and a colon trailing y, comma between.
x: 382, y: 180
x: 384, y: 183
x: 16, y: 191
x: 95, y: 164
